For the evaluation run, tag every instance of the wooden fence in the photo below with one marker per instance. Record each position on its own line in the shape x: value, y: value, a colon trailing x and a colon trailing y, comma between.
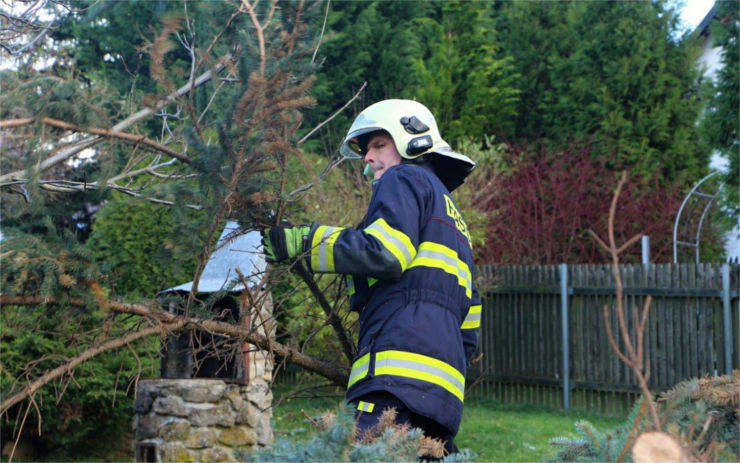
x: 544, y: 338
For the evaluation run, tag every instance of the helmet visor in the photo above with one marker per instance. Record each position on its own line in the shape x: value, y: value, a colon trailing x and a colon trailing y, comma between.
x: 353, y: 146
x: 351, y: 149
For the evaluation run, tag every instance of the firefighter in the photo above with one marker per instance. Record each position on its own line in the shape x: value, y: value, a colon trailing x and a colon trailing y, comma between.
x: 409, y: 271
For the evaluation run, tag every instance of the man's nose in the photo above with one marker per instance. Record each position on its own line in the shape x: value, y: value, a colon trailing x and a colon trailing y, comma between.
x: 369, y: 157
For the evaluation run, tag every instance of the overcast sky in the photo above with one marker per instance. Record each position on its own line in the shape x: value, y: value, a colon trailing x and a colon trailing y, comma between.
x: 695, y: 11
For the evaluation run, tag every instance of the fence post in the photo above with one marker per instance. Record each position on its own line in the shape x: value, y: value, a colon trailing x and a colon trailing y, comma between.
x: 564, y: 328
x: 645, y: 250
x: 726, y: 318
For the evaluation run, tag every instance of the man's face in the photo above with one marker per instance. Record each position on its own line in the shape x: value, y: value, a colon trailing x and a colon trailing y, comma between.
x: 381, y: 154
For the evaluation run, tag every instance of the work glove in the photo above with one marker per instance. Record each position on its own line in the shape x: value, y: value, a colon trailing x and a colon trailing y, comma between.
x: 283, y: 243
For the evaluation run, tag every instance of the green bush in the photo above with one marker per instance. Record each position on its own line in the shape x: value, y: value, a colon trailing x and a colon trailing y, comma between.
x: 73, y: 415
x: 142, y: 246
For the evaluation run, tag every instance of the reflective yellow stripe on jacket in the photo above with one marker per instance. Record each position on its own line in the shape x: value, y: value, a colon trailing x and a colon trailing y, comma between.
x: 322, y: 248
x: 359, y: 369
x: 411, y: 365
x: 395, y: 241
x: 472, y: 320
x: 439, y: 256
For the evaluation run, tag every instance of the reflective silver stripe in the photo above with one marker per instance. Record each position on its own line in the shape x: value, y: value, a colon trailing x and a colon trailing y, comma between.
x: 395, y: 241
x: 365, y: 406
x: 422, y: 368
x: 322, y: 248
x: 359, y: 369
x: 472, y: 320
x: 419, y: 367
x: 439, y: 256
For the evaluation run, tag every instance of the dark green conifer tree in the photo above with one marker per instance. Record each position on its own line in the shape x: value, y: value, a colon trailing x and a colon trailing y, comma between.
x: 615, y: 73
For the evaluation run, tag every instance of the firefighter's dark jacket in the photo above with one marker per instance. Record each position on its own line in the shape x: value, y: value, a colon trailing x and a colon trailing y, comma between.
x: 410, y: 276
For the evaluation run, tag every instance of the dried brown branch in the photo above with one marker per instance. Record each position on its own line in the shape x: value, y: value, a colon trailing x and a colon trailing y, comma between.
x: 323, y: 28
x: 356, y: 95
x: 171, y: 323
x: 633, y: 354
x: 260, y: 28
x: 138, y: 139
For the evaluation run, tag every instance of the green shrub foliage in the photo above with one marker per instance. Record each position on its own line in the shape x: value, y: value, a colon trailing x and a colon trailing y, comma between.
x: 94, y: 403
x: 142, y: 247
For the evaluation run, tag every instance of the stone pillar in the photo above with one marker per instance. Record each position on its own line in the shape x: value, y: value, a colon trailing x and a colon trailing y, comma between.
x: 200, y: 419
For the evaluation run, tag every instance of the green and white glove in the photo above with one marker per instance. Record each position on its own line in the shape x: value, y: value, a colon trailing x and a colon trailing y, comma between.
x: 283, y: 243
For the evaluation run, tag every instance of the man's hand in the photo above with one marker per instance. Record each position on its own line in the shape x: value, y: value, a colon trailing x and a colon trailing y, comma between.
x: 283, y: 243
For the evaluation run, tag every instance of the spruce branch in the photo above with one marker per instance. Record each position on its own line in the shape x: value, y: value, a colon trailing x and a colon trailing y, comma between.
x: 171, y: 323
x: 69, y: 366
x: 75, y: 148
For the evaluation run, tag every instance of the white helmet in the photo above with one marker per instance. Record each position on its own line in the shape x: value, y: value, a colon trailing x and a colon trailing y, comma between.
x: 415, y: 133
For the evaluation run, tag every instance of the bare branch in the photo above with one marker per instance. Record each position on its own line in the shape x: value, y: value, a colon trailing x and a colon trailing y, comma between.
x: 629, y: 243
x: 249, y: 8
x: 600, y: 242
x: 308, y: 135
x: 334, y: 163
x: 323, y: 28
x: 334, y: 321
x: 138, y: 139
x: 12, y: 123
x: 634, y: 356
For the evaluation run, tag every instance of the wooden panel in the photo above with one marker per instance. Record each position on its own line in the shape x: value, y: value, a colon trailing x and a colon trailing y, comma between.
x: 684, y: 335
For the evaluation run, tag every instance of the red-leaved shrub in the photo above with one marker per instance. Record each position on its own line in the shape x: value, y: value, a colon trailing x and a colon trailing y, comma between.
x: 543, y: 204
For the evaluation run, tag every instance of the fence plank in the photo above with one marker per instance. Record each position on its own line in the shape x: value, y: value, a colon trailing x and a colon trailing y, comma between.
x: 521, y: 339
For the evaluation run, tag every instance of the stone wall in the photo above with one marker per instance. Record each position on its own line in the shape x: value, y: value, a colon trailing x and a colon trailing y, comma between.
x: 200, y: 419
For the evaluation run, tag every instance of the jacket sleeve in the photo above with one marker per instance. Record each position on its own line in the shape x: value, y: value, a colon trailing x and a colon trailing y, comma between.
x: 386, y: 246
x: 470, y: 327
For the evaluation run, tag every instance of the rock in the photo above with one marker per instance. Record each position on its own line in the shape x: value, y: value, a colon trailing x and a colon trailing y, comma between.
x: 173, y: 451
x: 235, y: 397
x: 170, y: 405
x: 148, y: 425
x: 217, y: 454
x: 261, y: 397
x: 264, y: 430
x: 143, y: 402
x: 247, y: 414
x: 238, y: 436
x: 203, y: 391
x: 201, y: 438
x: 211, y: 415
x: 175, y: 430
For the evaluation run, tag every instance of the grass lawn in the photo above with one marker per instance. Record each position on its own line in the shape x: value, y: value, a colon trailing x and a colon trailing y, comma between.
x: 519, y: 432
x: 496, y: 432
